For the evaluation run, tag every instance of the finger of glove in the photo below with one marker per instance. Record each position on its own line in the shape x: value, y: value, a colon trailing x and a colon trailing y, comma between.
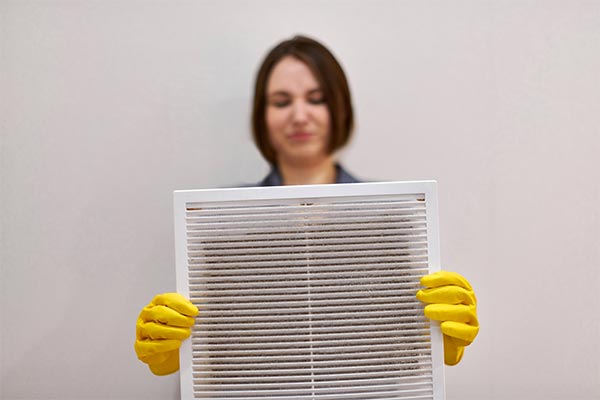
x: 453, y: 352
x: 176, y: 302
x: 166, y: 315
x: 156, y: 358
x: 145, y: 348
x: 450, y: 312
x: 456, y: 330
x: 443, y: 278
x: 168, y: 366
x: 153, y: 330
x: 458, y: 342
x: 447, y: 295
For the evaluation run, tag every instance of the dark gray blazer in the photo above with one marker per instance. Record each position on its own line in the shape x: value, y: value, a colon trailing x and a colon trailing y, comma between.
x: 274, y: 178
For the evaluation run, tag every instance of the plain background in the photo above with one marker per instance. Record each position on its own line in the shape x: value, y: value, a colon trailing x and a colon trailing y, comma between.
x: 109, y: 106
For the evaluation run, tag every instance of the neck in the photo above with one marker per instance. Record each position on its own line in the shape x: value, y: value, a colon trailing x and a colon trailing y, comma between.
x: 322, y: 172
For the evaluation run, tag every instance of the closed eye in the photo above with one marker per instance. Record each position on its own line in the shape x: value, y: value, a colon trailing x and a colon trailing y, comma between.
x: 280, y: 99
x: 316, y: 97
x: 281, y: 103
x: 317, y: 100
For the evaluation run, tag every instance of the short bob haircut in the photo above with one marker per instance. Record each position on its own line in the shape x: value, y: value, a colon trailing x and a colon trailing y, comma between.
x: 332, y: 81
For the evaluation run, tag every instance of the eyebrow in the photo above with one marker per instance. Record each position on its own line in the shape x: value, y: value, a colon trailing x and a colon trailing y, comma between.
x: 278, y: 93
x: 284, y: 93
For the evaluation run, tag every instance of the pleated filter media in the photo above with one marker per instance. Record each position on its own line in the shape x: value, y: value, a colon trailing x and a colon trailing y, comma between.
x: 308, y: 292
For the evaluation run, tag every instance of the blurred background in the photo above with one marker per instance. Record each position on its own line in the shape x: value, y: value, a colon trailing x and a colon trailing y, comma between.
x: 106, y: 107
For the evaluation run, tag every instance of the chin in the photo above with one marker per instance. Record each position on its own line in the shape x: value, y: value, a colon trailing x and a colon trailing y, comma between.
x: 307, y: 158
x: 302, y: 153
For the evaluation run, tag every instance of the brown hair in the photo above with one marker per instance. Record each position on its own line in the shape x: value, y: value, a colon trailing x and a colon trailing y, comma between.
x: 332, y: 81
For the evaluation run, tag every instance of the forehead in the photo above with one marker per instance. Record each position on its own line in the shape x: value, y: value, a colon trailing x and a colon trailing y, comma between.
x: 291, y: 75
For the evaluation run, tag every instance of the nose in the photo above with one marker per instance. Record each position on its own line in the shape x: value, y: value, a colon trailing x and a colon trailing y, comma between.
x: 300, y: 112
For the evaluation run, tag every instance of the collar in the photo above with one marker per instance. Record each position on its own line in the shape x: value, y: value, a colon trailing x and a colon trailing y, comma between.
x: 274, y: 177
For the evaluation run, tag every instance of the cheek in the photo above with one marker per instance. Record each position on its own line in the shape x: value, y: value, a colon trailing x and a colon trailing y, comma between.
x: 275, y: 120
x: 275, y: 127
x: 324, y: 119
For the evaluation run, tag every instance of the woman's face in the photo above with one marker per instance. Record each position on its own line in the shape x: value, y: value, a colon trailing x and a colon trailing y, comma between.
x: 297, y: 116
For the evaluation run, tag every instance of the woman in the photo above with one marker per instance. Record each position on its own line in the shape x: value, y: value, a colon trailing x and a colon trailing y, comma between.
x: 302, y: 115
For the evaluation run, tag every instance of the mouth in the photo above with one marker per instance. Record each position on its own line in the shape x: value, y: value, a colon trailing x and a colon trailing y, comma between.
x: 300, y: 136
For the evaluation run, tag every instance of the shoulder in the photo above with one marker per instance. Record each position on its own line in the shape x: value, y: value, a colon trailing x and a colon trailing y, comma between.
x: 272, y: 179
x: 343, y: 176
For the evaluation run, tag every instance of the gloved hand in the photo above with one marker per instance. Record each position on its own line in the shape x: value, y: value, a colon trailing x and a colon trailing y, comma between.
x: 452, y: 301
x: 161, y: 327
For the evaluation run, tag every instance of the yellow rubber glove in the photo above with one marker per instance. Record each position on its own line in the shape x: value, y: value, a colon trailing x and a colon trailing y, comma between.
x: 161, y: 327
x: 452, y: 301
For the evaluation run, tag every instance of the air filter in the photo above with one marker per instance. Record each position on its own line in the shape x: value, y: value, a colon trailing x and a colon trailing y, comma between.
x: 308, y: 292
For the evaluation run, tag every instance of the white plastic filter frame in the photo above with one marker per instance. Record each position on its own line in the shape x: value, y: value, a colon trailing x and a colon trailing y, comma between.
x: 238, y: 209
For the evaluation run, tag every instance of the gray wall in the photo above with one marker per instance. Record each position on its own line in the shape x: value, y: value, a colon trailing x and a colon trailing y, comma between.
x: 108, y: 106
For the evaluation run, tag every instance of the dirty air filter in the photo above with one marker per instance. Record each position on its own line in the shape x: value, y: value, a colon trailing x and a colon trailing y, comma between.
x: 308, y: 292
